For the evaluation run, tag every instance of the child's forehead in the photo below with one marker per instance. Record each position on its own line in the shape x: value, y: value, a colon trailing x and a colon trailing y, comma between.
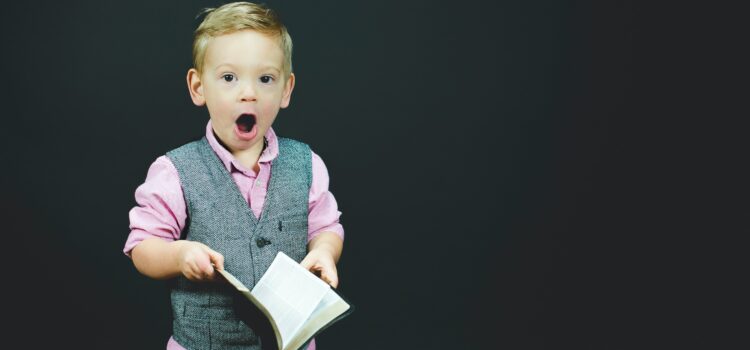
x: 231, y: 38
x: 248, y: 44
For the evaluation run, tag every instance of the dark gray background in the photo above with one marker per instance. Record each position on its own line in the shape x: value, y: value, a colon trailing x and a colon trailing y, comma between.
x: 512, y: 174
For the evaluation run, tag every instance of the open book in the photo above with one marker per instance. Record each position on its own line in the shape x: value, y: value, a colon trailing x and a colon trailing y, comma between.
x: 298, y: 303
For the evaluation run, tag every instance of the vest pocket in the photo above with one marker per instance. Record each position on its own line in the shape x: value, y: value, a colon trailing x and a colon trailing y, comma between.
x: 220, y: 334
x: 232, y: 334
x: 192, y: 332
x: 290, y: 236
x: 218, y: 326
x: 291, y: 225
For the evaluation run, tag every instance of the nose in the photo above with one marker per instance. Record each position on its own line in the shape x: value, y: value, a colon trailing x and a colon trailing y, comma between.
x: 247, y: 92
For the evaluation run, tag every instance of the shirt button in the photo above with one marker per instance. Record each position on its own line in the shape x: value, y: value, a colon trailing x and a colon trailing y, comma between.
x: 262, y: 242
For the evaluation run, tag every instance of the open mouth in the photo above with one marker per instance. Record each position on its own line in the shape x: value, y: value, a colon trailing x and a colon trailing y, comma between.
x: 245, y: 123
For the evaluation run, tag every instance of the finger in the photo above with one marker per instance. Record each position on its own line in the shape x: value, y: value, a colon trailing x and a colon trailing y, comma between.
x: 195, y: 277
x: 330, y: 276
x: 216, y: 259
x: 192, y: 272
x: 203, y: 265
x: 330, y: 279
x: 307, y: 263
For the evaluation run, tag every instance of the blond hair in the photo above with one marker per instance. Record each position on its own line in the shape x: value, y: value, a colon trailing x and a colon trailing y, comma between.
x: 237, y: 16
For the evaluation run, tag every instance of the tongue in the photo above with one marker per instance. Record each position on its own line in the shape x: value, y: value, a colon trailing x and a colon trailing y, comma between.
x: 246, y: 122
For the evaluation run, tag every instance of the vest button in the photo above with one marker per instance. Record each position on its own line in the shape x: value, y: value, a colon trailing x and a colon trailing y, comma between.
x: 262, y: 242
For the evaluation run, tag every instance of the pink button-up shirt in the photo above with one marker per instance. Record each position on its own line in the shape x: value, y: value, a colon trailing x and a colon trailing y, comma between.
x: 162, y: 212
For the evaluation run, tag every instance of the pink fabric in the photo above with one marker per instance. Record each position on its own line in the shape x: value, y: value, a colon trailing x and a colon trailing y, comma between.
x: 162, y: 212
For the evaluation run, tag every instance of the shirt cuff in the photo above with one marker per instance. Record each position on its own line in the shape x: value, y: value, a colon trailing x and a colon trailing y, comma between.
x: 137, y: 236
x: 335, y: 228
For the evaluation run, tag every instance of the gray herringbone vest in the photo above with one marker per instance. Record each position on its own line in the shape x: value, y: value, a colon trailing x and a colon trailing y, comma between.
x: 206, y: 314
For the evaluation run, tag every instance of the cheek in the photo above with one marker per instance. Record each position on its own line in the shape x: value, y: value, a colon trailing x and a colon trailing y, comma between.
x: 219, y: 104
x: 269, y: 111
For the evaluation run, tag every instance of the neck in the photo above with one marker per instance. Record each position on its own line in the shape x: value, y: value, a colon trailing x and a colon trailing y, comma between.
x: 249, y: 157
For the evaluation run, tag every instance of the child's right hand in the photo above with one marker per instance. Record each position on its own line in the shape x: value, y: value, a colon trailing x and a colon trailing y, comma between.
x: 197, y: 261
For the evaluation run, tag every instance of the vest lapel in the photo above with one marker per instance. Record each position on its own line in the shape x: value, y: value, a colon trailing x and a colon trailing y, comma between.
x: 219, y: 169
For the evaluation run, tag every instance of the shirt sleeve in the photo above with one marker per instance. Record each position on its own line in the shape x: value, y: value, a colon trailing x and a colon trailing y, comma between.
x: 323, y: 213
x: 160, y: 210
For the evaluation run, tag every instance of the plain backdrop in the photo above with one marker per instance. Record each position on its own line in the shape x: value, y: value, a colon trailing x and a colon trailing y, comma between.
x: 507, y: 171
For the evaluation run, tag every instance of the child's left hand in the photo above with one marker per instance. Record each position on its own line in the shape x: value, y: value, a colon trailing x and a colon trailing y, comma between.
x: 323, y: 252
x: 321, y: 263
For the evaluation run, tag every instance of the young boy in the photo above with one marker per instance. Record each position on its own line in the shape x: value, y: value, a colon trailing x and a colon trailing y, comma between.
x: 239, y: 195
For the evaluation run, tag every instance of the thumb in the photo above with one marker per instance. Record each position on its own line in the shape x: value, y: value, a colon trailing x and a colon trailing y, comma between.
x: 330, y: 279
x: 217, y: 260
x: 307, y: 262
x: 329, y: 275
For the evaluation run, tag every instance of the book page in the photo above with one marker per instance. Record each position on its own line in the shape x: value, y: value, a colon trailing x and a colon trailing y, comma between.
x: 330, y: 307
x: 290, y: 294
x: 233, y: 281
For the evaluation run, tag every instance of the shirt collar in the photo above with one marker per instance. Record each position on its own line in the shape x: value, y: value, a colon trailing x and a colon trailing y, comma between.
x: 226, y: 157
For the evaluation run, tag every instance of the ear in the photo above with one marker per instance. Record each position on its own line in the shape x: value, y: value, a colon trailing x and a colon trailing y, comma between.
x: 195, y: 87
x: 287, y: 94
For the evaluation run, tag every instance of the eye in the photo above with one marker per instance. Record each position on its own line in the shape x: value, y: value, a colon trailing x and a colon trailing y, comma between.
x: 266, y: 79
x: 228, y: 77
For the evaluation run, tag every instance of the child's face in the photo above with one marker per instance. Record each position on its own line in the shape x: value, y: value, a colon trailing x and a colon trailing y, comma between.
x: 243, y: 86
